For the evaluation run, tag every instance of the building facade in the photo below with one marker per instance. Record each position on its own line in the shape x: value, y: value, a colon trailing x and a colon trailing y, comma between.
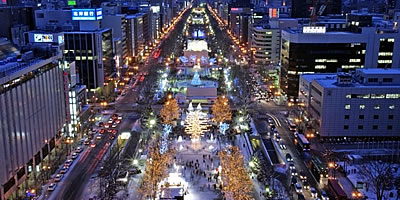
x: 33, y: 112
x: 362, y: 104
x: 308, y: 51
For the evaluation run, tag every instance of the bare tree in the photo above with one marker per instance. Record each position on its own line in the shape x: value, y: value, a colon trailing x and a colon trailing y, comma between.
x: 379, y: 176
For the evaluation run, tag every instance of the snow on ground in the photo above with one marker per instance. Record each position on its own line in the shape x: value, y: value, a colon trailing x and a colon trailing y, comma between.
x: 355, y: 176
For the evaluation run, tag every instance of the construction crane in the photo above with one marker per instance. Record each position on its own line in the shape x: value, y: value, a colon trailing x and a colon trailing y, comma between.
x: 314, y: 14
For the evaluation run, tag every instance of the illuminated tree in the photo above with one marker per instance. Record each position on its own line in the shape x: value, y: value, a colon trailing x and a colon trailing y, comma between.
x: 236, y: 183
x: 196, y: 122
x: 221, y: 110
x: 156, y: 170
x: 170, y: 112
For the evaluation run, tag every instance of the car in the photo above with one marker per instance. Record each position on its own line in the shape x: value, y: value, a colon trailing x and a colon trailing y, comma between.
x: 112, y: 137
x: 120, y: 117
x: 299, y: 190
x: 58, y: 177
x: 282, y: 146
x: 109, y: 130
x: 114, y: 116
x: 114, y: 132
x: 68, y: 163
x: 99, y: 137
x: 78, y: 149
x: 117, y: 121
x: 87, y: 142
x: 102, y: 131
x: 101, y: 124
x: 270, y: 121
x: 324, y: 196
x: 306, y: 185
x: 303, y: 176
x: 110, y: 120
x: 294, y: 180
x: 52, y: 187
x: 93, y: 145
x: 64, y: 170
x: 278, y: 137
x: 273, y: 126
x: 74, y: 155
x: 289, y: 157
x: 107, y: 125
x: 314, y: 193
x: 291, y: 166
x: 296, y: 134
x: 293, y: 172
x: 114, y: 125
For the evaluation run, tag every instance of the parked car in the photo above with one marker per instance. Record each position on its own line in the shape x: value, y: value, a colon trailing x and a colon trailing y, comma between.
x: 114, y: 125
x: 68, y: 163
x: 93, y: 145
x: 64, y: 170
x: 74, y: 155
x: 87, y: 142
x: 278, y: 137
x: 270, y: 121
x: 52, y: 187
x: 289, y: 157
x: 58, y: 177
x: 78, y: 149
x: 98, y: 137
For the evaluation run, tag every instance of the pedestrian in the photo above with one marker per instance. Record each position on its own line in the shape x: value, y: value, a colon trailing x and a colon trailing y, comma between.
x: 215, y: 186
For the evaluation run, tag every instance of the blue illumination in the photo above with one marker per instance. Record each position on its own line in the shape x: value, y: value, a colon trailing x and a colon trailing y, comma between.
x: 87, y: 14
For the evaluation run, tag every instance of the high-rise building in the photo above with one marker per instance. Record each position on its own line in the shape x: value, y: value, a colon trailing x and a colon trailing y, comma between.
x: 92, y: 52
x: 265, y: 39
x: 16, y: 21
x: 358, y: 105
x: 303, y: 8
x: 33, y: 112
x: 313, y: 50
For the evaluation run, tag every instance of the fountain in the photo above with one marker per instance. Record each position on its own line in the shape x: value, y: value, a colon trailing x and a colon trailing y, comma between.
x: 196, y: 79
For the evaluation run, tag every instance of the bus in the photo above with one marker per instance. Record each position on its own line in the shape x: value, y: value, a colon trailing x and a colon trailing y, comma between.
x: 336, y: 190
x: 318, y: 168
x: 292, y: 125
x: 302, y: 143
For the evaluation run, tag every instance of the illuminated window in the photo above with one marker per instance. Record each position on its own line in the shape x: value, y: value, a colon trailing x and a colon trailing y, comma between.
x: 377, y: 107
x: 362, y: 107
x: 391, y: 107
x: 347, y: 107
x: 348, y: 96
x: 355, y: 60
x: 384, y: 61
x: 390, y: 40
x: 320, y: 66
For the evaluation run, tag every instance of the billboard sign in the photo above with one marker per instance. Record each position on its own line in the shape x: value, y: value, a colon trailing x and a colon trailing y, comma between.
x: 90, y: 14
x: 43, y: 37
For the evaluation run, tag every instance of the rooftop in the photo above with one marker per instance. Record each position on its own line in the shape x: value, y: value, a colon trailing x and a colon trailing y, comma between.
x: 380, y: 71
x: 197, y: 45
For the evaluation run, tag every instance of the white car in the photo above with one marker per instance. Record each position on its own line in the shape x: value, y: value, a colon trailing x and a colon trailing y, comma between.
x: 58, y: 177
x: 52, y: 187
x: 64, y: 170
x: 78, y: 149
x: 74, y: 155
x: 324, y: 196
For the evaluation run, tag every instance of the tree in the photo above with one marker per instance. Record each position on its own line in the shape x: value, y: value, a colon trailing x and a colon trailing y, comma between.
x: 196, y: 121
x: 237, y: 184
x: 379, y: 175
x: 221, y: 110
x: 156, y: 170
x: 170, y: 112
